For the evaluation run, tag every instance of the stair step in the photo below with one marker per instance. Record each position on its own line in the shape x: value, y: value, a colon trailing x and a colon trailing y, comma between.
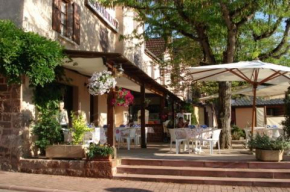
x: 207, y: 180
x: 212, y: 164
x: 205, y: 171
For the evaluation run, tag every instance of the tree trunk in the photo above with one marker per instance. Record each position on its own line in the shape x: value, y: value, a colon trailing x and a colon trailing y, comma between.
x: 224, y: 114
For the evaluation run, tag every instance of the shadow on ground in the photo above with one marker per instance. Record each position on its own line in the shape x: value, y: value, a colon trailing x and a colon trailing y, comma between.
x: 118, y: 189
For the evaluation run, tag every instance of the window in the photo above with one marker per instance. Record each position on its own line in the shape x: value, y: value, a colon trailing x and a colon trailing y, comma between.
x: 66, y: 19
x: 64, y: 24
x: 275, y: 111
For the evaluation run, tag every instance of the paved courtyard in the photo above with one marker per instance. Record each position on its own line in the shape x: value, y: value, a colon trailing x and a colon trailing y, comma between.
x: 45, y: 183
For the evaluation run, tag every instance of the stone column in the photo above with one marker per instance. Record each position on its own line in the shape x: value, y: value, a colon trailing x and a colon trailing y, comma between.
x: 10, y: 125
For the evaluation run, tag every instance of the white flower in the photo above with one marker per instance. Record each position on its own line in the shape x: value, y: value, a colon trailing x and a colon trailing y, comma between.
x: 101, y: 83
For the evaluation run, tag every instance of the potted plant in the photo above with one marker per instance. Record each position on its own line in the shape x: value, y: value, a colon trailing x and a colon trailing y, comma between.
x: 237, y: 133
x: 98, y: 152
x: 75, y: 151
x: 123, y: 98
x: 268, y: 149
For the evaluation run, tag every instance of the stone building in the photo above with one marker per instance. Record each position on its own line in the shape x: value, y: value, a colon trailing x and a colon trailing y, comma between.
x: 90, y: 34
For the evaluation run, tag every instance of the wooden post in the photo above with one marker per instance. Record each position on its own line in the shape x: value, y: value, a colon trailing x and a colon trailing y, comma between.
x: 254, y: 108
x: 110, y: 119
x: 162, y: 106
x: 143, y: 136
x: 173, y: 113
x: 265, y: 116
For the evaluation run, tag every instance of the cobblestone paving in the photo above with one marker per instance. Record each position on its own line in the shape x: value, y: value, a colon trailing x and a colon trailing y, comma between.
x: 54, y: 183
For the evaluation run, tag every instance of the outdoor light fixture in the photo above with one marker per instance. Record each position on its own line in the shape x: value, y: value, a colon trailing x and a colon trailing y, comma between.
x: 119, y: 70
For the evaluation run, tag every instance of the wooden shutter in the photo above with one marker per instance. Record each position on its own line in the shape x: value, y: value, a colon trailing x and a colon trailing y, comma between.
x: 76, y: 23
x: 56, y: 15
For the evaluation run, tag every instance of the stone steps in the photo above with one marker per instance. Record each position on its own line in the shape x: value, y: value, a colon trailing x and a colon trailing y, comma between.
x: 206, y: 172
x: 207, y: 180
x: 208, y: 163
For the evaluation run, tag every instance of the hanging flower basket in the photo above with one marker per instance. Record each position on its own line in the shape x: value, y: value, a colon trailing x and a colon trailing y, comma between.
x: 101, y: 83
x: 123, y: 98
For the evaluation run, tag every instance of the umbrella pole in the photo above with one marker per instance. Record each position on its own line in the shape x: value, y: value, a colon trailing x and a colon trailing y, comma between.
x: 254, y: 108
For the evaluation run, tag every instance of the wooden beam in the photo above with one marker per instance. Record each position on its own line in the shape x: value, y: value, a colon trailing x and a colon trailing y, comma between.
x: 143, y: 136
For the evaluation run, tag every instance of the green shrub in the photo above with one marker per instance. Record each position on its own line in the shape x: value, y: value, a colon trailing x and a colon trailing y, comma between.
x: 237, y: 133
x: 47, y: 128
x: 79, y: 127
x: 99, y: 150
x: 266, y: 143
x: 27, y: 53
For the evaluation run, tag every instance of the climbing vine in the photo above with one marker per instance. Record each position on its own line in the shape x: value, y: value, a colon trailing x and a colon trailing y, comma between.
x: 29, y: 54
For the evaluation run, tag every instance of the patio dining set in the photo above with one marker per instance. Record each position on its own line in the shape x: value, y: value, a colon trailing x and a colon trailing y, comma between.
x: 197, y: 137
x: 131, y: 134
x: 122, y: 134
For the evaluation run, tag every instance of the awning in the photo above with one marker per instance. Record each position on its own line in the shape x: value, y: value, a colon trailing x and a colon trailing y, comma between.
x: 86, y: 66
x: 133, y: 75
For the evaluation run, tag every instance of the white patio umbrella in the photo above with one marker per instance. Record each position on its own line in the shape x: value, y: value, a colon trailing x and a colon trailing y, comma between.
x: 261, y: 91
x: 254, y: 72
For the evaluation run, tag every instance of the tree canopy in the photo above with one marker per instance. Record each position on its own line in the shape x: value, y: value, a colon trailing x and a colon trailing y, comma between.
x: 27, y: 53
x: 226, y: 31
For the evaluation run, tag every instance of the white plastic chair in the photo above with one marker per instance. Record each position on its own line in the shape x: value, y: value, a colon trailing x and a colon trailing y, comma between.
x: 165, y: 129
x: 118, y: 136
x: 215, y: 139
x: 172, y: 137
x: 138, y: 135
x: 180, y: 136
x: 194, y: 135
x: 206, y: 134
x: 130, y: 136
x: 88, y: 139
x: 103, y: 137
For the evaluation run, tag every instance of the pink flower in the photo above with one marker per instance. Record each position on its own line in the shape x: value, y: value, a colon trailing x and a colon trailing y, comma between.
x: 123, y: 98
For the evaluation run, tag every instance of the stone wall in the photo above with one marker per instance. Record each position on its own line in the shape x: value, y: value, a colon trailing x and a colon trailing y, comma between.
x: 79, y: 168
x: 10, y: 125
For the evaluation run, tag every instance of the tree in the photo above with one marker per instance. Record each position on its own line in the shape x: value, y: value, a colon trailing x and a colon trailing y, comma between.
x: 27, y: 53
x: 226, y: 31
x: 286, y: 123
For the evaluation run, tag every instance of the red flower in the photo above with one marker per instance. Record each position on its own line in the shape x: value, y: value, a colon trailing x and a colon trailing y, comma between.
x: 123, y: 98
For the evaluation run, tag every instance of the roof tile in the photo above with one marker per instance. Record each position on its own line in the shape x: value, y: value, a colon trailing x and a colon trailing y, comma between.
x: 248, y: 101
x: 156, y: 46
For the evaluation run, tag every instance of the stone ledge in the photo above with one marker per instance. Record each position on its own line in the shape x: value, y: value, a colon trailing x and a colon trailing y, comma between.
x: 79, y: 168
x: 30, y: 189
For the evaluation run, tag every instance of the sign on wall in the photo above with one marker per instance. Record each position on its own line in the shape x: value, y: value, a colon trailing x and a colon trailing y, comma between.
x: 103, y: 14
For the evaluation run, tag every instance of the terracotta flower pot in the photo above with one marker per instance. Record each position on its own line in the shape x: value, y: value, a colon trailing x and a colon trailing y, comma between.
x: 269, y: 155
x: 100, y: 158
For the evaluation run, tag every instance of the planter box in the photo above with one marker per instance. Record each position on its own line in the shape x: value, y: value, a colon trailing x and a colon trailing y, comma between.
x: 269, y: 155
x: 101, y: 158
x: 65, y: 151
